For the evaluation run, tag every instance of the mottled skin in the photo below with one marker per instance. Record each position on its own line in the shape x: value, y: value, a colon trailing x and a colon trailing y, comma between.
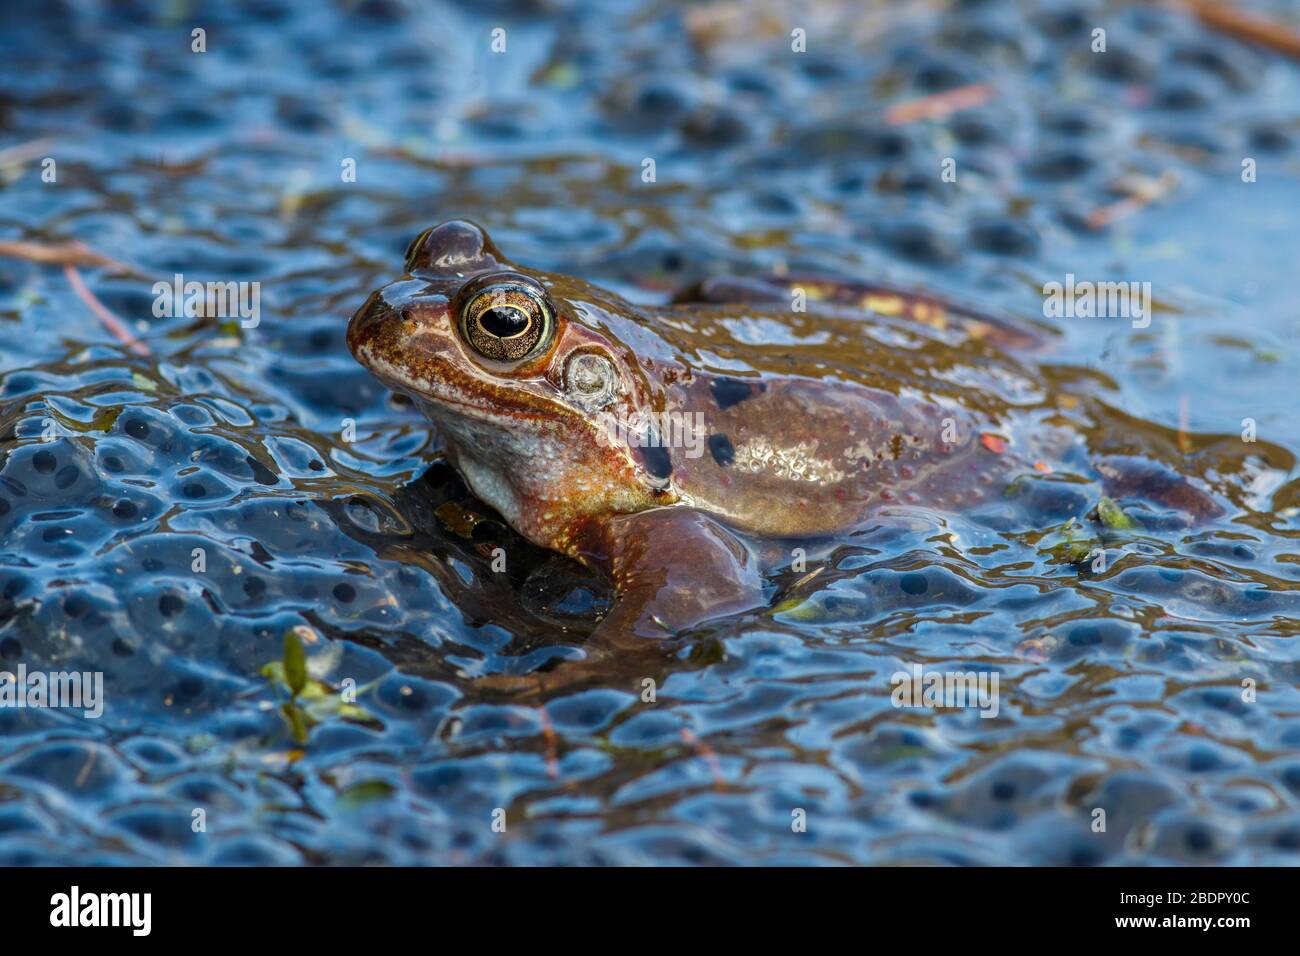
x: 798, y: 420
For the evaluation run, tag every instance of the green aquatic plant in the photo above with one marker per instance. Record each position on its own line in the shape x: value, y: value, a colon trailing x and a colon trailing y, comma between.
x: 311, y: 701
x: 1071, y: 544
x: 1112, y: 515
x: 364, y: 793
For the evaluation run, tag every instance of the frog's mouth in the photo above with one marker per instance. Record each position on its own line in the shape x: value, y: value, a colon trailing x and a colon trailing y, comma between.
x: 440, y: 396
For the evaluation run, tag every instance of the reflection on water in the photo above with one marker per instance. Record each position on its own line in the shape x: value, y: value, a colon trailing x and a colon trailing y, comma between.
x: 1120, y: 688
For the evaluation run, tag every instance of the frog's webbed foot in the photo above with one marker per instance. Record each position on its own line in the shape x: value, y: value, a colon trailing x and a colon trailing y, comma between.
x: 672, y: 568
x: 537, y: 686
x: 909, y: 304
x: 599, y: 669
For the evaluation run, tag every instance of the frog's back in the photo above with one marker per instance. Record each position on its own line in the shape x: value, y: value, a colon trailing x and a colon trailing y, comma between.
x: 785, y: 456
x: 789, y: 424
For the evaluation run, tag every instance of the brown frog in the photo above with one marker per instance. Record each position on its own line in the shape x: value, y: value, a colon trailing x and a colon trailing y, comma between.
x: 659, y: 445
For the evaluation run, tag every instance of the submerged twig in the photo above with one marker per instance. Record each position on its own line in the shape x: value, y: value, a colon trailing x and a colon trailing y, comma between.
x: 705, y: 751
x: 548, y: 735
x: 22, y: 152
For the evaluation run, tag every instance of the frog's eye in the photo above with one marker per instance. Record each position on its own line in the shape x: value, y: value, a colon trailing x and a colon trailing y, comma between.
x: 507, y: 319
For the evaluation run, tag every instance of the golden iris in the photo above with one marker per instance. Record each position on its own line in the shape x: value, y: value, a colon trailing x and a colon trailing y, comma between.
x: 507, y: 320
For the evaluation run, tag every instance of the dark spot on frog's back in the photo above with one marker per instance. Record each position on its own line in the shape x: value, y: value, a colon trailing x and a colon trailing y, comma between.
x: 656, y: 460
x: 732, y: 391
x: 721, y: 449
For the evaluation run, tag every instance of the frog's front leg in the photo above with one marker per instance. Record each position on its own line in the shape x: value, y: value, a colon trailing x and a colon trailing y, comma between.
x: 672, y: 569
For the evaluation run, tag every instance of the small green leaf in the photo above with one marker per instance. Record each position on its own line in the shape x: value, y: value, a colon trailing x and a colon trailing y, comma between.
x: 708, y: 651
x: 367, y: 791
x: 561, y: 76
x: 903, y: 752
x: 358, y: 715
x: 1076, y: 552
x: 1112, y: 515
x: 295, y: 662
x: 198, y: 743
x: 274, y: 672
x: 1068, y: 544
x: 800, y: 609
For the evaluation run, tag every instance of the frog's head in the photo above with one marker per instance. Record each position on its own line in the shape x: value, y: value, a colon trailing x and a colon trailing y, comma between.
x: 530, y: 378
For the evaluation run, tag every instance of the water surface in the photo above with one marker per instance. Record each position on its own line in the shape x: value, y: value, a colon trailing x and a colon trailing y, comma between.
x: 1120, y: 689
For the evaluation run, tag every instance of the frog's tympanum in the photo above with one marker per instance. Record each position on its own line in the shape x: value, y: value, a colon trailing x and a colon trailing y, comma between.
x: 658, y: 445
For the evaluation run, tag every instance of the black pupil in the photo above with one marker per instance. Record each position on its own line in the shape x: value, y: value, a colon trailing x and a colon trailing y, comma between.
x: 503, y: 323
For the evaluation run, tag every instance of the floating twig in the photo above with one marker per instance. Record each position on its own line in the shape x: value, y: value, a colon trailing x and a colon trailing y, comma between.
x: 59, y: 254
x: 109, y: 320
x: 1142, y: 191
x: 1251, y: 27
x: 22, y: 152
x: 939, y: 105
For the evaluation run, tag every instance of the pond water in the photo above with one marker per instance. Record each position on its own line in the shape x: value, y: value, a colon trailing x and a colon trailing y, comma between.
x: 316, y: 501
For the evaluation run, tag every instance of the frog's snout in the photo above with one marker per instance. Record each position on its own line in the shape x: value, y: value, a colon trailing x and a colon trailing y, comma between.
x: 367, y: 323
x: 389, y: 331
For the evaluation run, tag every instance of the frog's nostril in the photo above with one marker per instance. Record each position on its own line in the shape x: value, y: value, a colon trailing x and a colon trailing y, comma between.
x: 366, y: 321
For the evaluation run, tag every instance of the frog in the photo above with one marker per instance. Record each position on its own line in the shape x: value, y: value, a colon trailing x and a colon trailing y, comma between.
x: 675, y: 449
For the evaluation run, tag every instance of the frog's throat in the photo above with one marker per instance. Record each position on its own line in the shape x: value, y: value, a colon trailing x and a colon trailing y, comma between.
x: 542, y: 476
x: 552, y: 513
